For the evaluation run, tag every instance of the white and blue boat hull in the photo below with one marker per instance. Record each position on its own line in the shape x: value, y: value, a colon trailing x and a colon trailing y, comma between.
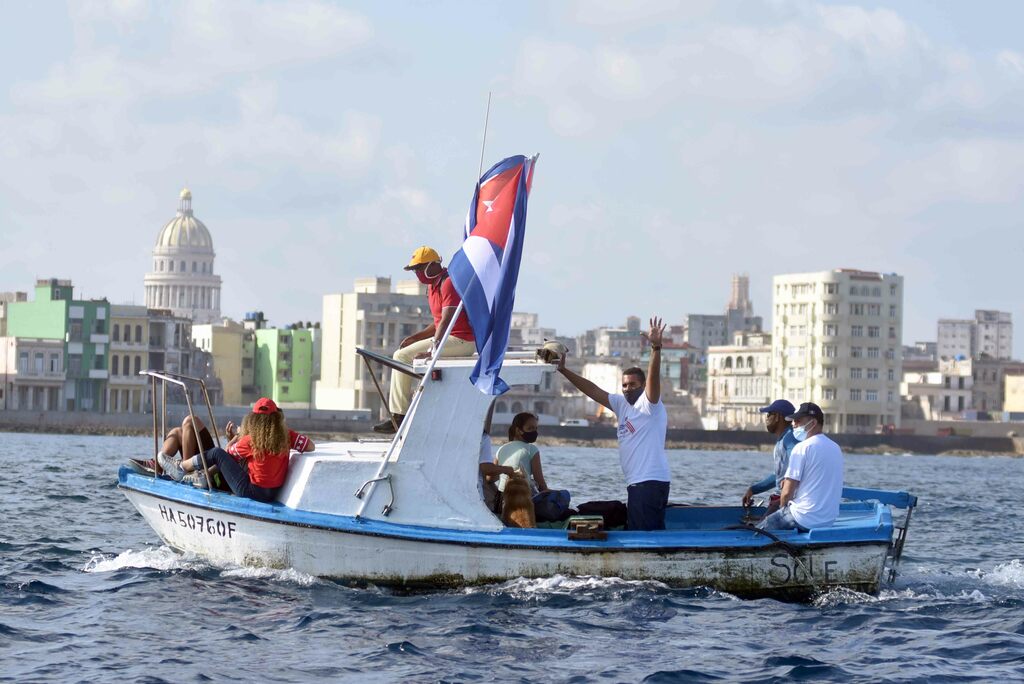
x: 234, y: 531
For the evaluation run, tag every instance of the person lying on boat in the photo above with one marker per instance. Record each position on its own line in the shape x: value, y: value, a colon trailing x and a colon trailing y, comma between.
x: 261, y: 453
x: 643, y: 423
x: 520, y: 453
x: 775, y: 422
x: 812, y: 486
x: 444, y: 301
x: 184, y: 440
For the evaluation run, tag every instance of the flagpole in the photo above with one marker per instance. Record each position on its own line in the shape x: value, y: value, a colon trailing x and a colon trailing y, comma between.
x: 403, y: 428
x: 458, y: 310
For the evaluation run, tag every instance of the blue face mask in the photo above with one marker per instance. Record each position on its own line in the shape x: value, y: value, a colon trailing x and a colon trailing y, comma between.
x: 800, y: 431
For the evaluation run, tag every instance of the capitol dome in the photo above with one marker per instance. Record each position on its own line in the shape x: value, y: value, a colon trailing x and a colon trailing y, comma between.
x: 182, y: 279
x: 185, y: 230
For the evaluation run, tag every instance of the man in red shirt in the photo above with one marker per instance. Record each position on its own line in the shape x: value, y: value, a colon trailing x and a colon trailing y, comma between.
x: 444, y: 300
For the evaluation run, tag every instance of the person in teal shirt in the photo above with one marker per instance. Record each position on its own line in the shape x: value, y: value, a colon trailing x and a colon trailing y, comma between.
x: 775, y: 422
x: 522, y: 454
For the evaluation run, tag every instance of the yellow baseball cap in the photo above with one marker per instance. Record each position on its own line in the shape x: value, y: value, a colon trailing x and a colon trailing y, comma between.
x: 423, y: 255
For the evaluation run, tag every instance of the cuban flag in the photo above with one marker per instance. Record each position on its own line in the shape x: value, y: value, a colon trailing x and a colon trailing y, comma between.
x: 485, y: 270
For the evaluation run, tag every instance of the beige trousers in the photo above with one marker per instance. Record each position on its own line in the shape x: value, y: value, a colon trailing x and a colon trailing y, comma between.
x: 402, y: 385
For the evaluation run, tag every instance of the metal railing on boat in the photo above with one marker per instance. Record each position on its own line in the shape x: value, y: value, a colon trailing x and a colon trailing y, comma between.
x: 163, y: 378
x: 895, y: 500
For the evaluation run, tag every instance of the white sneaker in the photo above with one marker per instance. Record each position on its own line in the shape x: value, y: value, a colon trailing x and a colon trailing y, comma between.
x: 170, y: 467
x: 196, y: 478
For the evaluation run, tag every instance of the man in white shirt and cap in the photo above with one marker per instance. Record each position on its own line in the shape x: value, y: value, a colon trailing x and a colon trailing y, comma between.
x: 812, y: 487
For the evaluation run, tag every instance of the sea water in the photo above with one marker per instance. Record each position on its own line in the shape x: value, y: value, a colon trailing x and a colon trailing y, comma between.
x: 88, y: 593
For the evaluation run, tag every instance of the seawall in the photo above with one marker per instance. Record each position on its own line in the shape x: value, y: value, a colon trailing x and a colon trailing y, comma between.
x: 596, y: 435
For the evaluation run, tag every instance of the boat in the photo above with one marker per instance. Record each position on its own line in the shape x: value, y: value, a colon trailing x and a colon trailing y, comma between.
x: 408, y: 512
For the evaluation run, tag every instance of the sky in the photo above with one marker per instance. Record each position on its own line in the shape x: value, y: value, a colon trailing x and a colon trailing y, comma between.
x: 679, y: 142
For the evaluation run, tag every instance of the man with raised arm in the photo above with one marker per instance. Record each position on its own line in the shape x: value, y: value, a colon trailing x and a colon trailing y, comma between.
x: 643, y: 423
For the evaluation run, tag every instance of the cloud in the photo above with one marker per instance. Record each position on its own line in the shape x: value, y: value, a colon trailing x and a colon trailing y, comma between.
x: 679, y: 141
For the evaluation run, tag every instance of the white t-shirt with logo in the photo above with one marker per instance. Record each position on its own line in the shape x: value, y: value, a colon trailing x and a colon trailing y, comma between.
x: 642, y: 428
x: 817, y: 464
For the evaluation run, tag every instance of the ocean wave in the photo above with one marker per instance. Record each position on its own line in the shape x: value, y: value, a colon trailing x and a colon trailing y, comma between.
x: 1009, y: 575
x: 287, y: 576
x: 158, y: 558
x: 563, y: 585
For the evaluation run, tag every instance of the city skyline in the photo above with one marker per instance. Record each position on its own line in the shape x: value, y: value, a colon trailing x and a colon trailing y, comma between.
x: 324, y: 144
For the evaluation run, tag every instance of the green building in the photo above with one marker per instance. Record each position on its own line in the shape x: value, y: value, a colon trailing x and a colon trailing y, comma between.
x: 284, y: 364
x: 82, y: 325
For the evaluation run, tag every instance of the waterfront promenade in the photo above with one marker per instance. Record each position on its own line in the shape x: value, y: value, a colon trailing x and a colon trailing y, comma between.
x: 595, y: 435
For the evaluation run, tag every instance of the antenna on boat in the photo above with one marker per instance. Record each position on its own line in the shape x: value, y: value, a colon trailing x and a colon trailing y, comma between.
x: 458, y: 310
x: 483, y: 143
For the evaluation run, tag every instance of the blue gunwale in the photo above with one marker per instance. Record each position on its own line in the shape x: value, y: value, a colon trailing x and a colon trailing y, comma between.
x: 858, y: 530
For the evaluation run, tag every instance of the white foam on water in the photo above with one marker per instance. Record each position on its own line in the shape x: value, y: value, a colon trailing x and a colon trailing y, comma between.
x: 166, y: 559
x: 1008, y: 574
x: 563, y: 584
x: 157, y: 558
x: 287, y: 576
x: 842, y: 595
x: 1003, y: 575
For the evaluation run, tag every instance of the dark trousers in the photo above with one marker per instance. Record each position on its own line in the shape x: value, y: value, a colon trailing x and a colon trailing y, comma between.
x: 645, y: 507
x: 237, y: 476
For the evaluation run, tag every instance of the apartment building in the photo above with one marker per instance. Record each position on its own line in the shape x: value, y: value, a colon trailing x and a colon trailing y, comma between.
x: 127, y: 390
x: 81, y: 326
x: 739, y: 381
x: 989, y: 333
x: 837, y: 341
x: 373, y: 317
x: 33, y: 374
x: 284, y: 365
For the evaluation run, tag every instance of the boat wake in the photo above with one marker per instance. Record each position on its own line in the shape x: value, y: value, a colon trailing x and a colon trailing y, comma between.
x: 1010, y: 575
x: 155, y: 558
x: 286, y: 576
x: 166, y: 559
x: 565, y: 585
x: 971, y: 585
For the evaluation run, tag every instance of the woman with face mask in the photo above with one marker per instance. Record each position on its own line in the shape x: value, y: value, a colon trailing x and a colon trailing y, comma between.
x: 522, y: 454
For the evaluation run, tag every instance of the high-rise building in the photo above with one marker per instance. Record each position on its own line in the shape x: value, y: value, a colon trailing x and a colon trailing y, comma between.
x: 182, y: 279
x: 955, y: 338
x: 371, y: 317
x: 837, y: 341
x: 993, y: 334
x: 989, y: 333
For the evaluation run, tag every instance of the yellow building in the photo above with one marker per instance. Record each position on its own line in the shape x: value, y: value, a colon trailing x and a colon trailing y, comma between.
x: 232, y: 348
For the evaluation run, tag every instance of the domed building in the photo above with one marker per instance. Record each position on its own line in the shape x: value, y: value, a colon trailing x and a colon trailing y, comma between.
x: 182, y: 278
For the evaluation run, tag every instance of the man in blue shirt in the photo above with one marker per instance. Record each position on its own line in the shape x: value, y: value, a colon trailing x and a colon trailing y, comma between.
x: 775, y: 422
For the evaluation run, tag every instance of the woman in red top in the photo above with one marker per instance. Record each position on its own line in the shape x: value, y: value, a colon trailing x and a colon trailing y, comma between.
x: 256, y: 462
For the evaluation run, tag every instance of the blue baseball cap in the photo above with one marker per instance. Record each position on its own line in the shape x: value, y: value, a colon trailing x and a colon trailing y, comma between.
x: 780, y: 406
